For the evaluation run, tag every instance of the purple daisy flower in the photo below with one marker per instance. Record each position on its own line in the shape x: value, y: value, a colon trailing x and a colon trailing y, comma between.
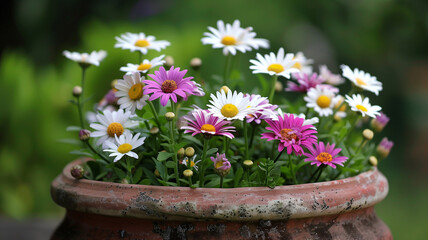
x: 262, y: 109
x: 168, y: 84
x: 379, y: 122
x: 221, y: 164
x: 202, y: 121
x: 305, y: 82
x: 323, y: 154
x: 291, y: 133
x: 384, y: 147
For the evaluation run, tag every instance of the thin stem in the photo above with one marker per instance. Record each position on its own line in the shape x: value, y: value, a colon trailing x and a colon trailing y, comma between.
x: 155, y: 114
x: 254, y: 126
x: 203, y: 165
x: 227, y: 69
x: 79, y: 109
x: 95, y: 151
x: 79, y: 102
x: 279, y: 155
x: 190, y: 182
x: 172, y: 136
x: 319, y: 174
x: 313, y: 175
x: 221, y: 181
x: 246, y: 139
x: 272, y: 90
x: 248, y: 176
x: 290, y: 165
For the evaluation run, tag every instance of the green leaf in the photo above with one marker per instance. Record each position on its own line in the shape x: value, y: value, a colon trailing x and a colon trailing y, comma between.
x: 73, y: 128
x: 212, y: 151
x: 119, y: 172
x: 179, y: 145
x: 162, y: 156
x: 145, y: 181
x: 170, y: 164
x: 94, y: 167
x: 72, y: 141
x: 162, y: 170
x: 101, y: 175
x: 137, y: 175
x: 238, y: 176
x: 167, y: 183
x: 193, y: 140
x: 81, y: 153
x: 151, y: 176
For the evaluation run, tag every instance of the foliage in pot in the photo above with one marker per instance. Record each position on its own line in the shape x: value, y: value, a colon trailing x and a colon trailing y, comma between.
x: 239, y: 139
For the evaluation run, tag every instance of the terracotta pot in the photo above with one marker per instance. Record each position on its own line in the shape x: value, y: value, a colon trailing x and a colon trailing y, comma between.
x: 341, y: 209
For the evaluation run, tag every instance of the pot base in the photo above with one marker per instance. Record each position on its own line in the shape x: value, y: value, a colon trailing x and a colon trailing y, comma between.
x: 358, y: 224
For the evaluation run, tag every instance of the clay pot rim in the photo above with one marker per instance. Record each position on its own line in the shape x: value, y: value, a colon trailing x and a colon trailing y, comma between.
x: 175, y: 203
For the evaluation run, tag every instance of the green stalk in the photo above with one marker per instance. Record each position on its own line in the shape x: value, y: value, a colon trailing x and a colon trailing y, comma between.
x: 172, y: 136
x: 155, y: 114
x: 79, y: 109
x: 244, y: 122
x: 203, y: 165
x: 319, y: 174
x: 254, y: 126
x: 272, y: 90
x: 190, y: 182
x: 313, y: 175
x: 221, y: 181
x: 226, y: 69
x: 95, y: 151
x: 290, y: 165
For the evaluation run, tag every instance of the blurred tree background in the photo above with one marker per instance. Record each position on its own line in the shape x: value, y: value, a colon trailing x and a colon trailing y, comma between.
x: 386, y: 38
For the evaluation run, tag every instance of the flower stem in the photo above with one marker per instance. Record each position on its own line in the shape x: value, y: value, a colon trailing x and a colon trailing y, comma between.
x: 226, y: 69
x: 172, y: 136
x: 221, y: 181
x: 279, y: 155
x: 272, y: 90
x: 313, y: 175
x: 203, y: 165
x: 290, y: 165
x: 252, y: 134
x: 155, y: 114
x: 79, y: 109
x: 190, y: 182
x: 320, y: 172
x: 95, y: 151
x: 244, y: 122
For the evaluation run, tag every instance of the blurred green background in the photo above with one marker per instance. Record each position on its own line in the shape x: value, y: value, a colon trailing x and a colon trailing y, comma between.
x: 383, y: 37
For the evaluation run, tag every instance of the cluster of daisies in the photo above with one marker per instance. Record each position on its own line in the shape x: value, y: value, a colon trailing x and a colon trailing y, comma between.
x: 228, y: 114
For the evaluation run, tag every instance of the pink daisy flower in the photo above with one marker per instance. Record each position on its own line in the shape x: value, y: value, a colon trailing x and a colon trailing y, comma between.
x: 203, y: 122
x: 168, y: 84
x: 221, y: 164
x: 327, y: 155
x: 291, y: 133
x: 305, y: 82
x: 262, y: 109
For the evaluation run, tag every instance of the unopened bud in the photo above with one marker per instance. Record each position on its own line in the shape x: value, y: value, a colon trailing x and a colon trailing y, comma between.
x: 154, y: 130
x: 188, y: 173
x: 169, y: 61
x: 373, y: 160
x: 77, y: 91
x: 180, y: 153
x: 278, y: 86
x: 84, y: 135
x: 113, y: 83
x: 190, y: 152
x: 248, y: 163
x: 368, y: 134
x: 196, y: 63
x: 169, y: 116
x: 124, y: 181
x: 157, y: 174
x: 226, y: 89
x: 77, y: 172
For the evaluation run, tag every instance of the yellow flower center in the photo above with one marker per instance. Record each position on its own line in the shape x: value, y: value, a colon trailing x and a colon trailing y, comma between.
x: 168, y: 86
x: 286, y: 136
x: 144, y: 66
x: 360, y: 81
x: 115, y: 128
x: 361, y: 107
x: 124, y: 148
x: 324, y: 157
x: 142, y: 43
x: 278, y: 68
x: 208, y: 128
x: 219, y: 164
x: 192, y: 163
x: 323, y: 101
x: 228, y: 40
x: 229, y: 110
x: 136, y: 91
x: 297, y: 65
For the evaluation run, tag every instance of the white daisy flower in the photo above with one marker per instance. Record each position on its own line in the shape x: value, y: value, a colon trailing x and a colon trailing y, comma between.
x: 93, y: 58
x: 329, y: 77
x: 140, y: 42
x: 123, y: 146
x: 190, y: 163
x: 303, y: 63
x: 322, y: 100
x: 145, y: 66
x: 341, y: 113
x: 111, y: 124
x: 229, y: 106
x: 358, y: 104
x: 130, y: 92
x: 233, y: 38
x: 310, y: 121
x: 362, y: 80
x: 258, y: 105
x: 275, y: 65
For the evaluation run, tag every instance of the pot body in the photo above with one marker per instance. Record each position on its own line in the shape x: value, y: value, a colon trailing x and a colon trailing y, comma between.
x: 341, y: 209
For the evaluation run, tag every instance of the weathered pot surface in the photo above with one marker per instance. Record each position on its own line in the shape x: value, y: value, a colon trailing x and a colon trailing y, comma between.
x: 341, y: 209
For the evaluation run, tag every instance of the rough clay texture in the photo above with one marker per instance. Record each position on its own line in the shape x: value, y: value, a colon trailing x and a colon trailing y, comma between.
x: 325, y: 210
